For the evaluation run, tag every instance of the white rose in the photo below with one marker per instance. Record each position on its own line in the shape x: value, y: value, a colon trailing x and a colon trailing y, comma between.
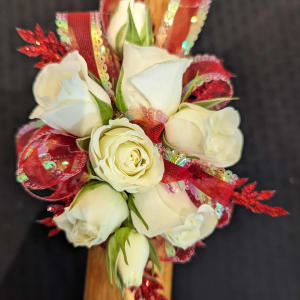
x: 120, y: 18
x: 94, y: 214
x: 152, y: 78
x: 62, y: 91
x: 125, y: 157
x: 173, y: 216
x: 213, y: 136
x: 137, y: 253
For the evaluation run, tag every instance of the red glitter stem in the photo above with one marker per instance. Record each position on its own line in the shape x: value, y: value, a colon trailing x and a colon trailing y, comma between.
x: 251, y: 199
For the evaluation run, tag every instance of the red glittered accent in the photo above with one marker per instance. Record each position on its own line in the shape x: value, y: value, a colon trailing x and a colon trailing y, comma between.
x: 220, y: 191
x: 149, y: 289
x: 211, y: 90
x: 205, y: 64
x: 51, y: 159
x: 214, y: 80
x: 49, y: 48
x: 153, y: 129
x: 251, y: 199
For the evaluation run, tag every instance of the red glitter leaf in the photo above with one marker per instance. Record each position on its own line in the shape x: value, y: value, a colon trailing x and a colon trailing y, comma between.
x: 48, y: 222
x: 30, y: 51
x: 39, y: 32
x: 27, y: 35
x: 250, y: 198
x: 50, y: 49
x: 54, y: 232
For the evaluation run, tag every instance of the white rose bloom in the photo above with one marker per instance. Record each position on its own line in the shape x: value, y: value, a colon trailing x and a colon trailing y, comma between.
x: 137, y: 252
x: 125, y: 157
x: 173, y: 216
x: 213, y: 136
x: 62, y: 91
x: 152, y: 78
x: 120, y: 18
x: 94, y: 214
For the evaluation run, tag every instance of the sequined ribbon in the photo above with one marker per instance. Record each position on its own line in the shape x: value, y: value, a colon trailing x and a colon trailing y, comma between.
x: 182, y: 23
x: 83, y: 32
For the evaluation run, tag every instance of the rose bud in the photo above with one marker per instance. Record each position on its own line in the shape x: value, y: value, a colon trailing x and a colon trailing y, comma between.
x: 137, y: 253
x: 213, y: 136
x: 152, y: 78
x: 117, y: 28
x: 63, y: 93
x: 95, y: 213
x: 176, y: 218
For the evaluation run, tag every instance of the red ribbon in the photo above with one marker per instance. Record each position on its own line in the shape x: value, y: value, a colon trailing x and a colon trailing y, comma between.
x: 213, y: 187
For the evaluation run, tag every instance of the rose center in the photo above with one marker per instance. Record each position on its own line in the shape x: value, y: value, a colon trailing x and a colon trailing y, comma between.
x: 131, y: 158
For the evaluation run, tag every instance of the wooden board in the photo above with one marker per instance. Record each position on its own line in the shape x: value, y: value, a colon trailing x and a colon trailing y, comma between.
x: 97, y: 285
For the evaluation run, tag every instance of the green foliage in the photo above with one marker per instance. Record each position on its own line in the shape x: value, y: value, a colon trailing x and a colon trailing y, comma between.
x: 106, y: 111
x: 120, y: 102
x: 116, y: 244
x: 83, y: 143
x: 132, y: 35
x: 147, y: 37
x: 154, y: 257
x: 214, y: 102
x: 132, y: 207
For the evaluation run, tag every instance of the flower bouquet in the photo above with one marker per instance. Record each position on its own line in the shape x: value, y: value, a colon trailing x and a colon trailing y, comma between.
x: 130, y: 139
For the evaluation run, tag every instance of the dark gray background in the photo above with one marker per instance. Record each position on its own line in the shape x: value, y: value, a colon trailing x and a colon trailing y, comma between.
x: 256, y: 257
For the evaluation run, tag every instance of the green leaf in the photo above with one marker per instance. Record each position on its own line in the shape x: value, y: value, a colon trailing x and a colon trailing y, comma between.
x: 154, y: 257
x: 214, y: 102
x: 124, y: 195
x: 132, y: 207
x: 112, y: 252
x: 94, y: 77
x: 128, y: 223
x: 83, y: 143
x: 132, y: 35
x: 192, y: 84
x: 116, y: 244
x: 120, y: 102
x: 121, y: 36
x: 105, y: 110
x: 122, y: 236
x: 147, y: 31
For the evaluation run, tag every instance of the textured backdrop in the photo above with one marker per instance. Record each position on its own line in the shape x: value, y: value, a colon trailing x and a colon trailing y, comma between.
x: 256, y: 257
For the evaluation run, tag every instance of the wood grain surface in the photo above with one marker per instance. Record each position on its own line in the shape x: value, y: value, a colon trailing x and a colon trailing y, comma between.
x: 97, y: 285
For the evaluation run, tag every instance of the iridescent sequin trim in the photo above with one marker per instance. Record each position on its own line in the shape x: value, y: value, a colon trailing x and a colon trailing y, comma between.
x: 167, y: 22
x: 63, y: 27
x: 197, y: 23
x: 101, y: 53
